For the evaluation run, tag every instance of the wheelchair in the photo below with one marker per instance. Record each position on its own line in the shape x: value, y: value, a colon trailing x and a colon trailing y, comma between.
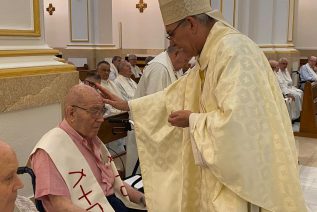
x: 29, y: 171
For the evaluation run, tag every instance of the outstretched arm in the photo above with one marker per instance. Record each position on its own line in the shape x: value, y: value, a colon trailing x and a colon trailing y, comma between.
x: 112, y: 99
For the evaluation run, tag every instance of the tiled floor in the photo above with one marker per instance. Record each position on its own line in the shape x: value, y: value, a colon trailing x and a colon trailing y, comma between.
x: 308, y: 170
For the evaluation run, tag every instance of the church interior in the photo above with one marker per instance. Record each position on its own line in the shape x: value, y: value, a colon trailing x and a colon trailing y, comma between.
x: 47, y: 46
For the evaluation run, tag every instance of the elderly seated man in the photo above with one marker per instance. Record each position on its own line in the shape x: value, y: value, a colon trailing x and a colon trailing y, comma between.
x: 288, y: 89
x: 74, y: 171
x: 137, y: 73
x: 307, y: 72
x: 114, y: 67
x: 288, y: 98
x: 9, y: 181
x: 124, y: 82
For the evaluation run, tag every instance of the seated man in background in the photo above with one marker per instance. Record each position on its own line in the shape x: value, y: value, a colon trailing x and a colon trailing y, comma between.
x: 307, y: 72
x: 92, y: 78
x: 124, y: 82
x: 9, y: 180
x: 137, y: 73
x: 114, y: 67
x: 288, y: 89
x: 74, y: 171
x: 289, y: 99
x: 103, y: 69
x: 161, y: 71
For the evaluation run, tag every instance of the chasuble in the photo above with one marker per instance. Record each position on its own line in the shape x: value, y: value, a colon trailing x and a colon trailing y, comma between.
x: 239, y: 147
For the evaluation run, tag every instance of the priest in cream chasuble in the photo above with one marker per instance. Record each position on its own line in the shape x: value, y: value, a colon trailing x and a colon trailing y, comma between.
x: 239, y: 148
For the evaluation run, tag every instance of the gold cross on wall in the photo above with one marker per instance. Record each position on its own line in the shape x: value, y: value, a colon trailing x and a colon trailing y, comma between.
x: 50, y: 9
x: 141, y: 6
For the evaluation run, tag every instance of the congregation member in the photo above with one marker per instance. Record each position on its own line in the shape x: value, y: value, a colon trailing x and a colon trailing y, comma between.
x: 124, y: 83
x: 103, y: 69
x: 161, y: 71
x: 307, y: 72
x: 10, y: 183
x: 286, y: 84
x: 288, y: 98
x: 92, y: 78
x: 73, y: 169
x: 137, y: 73
x: 114, y: 67
x: 219, y: 138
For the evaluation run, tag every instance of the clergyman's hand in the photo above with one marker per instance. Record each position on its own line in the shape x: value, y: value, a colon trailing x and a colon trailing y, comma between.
x: 112, y: 99
x: 180, y: 118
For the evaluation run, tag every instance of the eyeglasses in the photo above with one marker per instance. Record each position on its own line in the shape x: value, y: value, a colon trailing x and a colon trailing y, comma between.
x: 171, y: 34
x: 94, y: 112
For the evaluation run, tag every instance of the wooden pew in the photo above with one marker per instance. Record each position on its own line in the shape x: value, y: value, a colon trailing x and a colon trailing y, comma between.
x: 109, y: 132
x: 112, y: 131
x: 308, y: 122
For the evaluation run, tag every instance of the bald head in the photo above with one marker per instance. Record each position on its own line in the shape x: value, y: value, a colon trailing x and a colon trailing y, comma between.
x: 5, y: 149
x: 274, y: 65
x: 79, y: 94
x: 9, y: 180
x: 312, y: 60
x: 84, y: 110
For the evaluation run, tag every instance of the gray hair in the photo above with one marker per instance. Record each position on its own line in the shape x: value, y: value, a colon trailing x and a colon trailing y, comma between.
x: 283, y: 59
x: 132, y: 57
x: 204, y: 19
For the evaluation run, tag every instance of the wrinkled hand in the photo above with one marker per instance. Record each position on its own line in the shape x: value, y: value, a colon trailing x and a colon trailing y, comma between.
x: 112, y: 99
x: 180, y: 118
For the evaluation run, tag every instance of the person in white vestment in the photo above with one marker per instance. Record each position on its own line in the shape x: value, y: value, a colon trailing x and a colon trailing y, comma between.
x: 161, y: 71
x: 103, y: 69
x: 307, y: 72
x: 114, y: 67
x: 288, y: 89
x: 137, y: 73
x: 10, y: 183
x: 124, y: 83
x: 289, y: 99
x: 157, y: 75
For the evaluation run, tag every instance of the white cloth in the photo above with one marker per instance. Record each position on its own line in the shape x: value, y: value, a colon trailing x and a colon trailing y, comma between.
x: 136, y: 71
x: 113, y: 72
x: 287, y: 87
x: 157, y: 75
x: 126, y: 86
x: 24, y: 204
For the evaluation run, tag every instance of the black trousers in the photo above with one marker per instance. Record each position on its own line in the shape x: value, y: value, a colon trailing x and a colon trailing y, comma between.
x: 118, y: 205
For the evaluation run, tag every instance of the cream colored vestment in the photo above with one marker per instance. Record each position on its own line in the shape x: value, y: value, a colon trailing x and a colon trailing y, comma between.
x: 239, y: 148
